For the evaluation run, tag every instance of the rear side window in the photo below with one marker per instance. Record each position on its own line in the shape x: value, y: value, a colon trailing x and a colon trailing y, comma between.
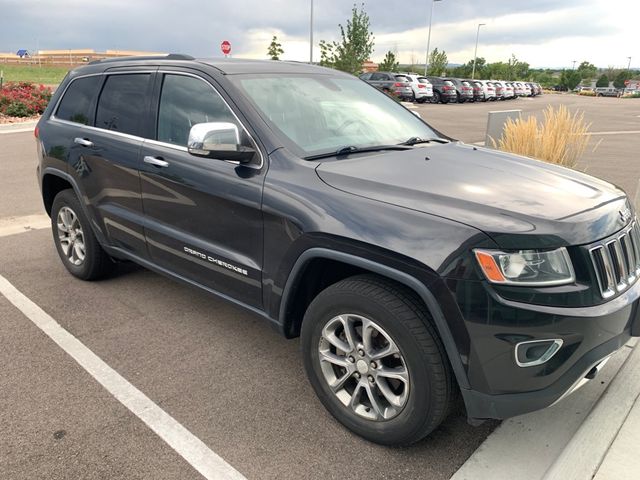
x: 402, y: 78
x: 122, y: 103
x: 75, y: 105
x: 184, y: 102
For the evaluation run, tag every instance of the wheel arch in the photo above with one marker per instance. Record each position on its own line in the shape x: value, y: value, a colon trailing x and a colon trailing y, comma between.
x: 290, y: 318
x: 53, y: 182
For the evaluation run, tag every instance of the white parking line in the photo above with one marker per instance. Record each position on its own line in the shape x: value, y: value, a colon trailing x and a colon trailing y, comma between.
x: 14, y: 225
x: 187, y: 445
x: 619, y: 132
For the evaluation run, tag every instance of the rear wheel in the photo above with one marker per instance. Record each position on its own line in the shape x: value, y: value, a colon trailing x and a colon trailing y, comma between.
x: 75, y: 242
x: 437, y: 98
x: 375, y: 361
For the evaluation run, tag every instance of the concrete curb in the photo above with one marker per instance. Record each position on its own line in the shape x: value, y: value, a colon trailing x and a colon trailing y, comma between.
x: 18, y: 127
x: 583, y: 455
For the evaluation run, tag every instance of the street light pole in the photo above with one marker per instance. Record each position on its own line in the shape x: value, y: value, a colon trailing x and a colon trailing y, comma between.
x: 311, y: 34
x: 574, y: 65
x: 426, y: 63
x: 475, y: 53
x: 629, y: 65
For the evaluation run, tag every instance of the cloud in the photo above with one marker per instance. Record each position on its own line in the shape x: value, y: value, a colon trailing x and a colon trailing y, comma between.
x: 542, y: 32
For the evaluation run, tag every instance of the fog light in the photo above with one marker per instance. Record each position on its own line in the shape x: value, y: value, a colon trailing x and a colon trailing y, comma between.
x: 536, y: 352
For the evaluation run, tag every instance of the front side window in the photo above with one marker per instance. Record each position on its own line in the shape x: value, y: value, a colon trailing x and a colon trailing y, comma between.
x: 122, y: 103
x: 318, y: 114
x: 184, y: 102
x: 75, y: 106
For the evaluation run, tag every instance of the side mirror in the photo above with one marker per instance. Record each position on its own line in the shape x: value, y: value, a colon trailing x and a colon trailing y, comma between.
x: 219, y: 140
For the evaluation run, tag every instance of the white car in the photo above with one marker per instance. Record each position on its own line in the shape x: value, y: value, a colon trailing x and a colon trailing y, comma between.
x: 507, y: 89
x: 519, y: 89
x: 422, y: 88
x: 488, y: 88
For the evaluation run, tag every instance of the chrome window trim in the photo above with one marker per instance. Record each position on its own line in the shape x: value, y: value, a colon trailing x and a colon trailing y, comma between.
x: 180, y: 148
x: 255, y: 144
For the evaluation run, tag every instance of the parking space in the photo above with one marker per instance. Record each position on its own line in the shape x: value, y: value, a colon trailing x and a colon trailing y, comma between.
x: 227, y: 377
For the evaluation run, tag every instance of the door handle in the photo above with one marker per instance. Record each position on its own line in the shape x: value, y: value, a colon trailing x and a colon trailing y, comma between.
x: 158, y: 162
x: 83, y: 141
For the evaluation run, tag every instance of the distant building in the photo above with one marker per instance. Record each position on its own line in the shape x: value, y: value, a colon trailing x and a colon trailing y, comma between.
x: 22, y: 53
x: 369, y: 66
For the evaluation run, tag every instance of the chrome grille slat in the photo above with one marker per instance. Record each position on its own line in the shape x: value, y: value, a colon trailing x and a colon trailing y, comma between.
x: 617, y: 261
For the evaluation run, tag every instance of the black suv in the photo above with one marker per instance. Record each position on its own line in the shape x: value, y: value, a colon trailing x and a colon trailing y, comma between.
x: 412, y: 266
x: 444, y: 91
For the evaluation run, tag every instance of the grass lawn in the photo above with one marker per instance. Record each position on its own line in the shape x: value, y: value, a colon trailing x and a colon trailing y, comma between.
x: 45, y: 74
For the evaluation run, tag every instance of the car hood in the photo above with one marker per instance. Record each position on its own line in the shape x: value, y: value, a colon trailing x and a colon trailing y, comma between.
x: 519, y: 202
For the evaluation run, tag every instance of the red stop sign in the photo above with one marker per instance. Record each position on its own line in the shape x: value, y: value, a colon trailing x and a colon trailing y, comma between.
x: 225, y: 46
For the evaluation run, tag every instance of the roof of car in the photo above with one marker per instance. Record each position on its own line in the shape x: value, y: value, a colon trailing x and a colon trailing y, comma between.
x: 227, y: 66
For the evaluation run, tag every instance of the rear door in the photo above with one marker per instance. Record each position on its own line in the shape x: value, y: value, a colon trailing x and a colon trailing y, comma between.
x: 203, y: 217
x: 107, y: 170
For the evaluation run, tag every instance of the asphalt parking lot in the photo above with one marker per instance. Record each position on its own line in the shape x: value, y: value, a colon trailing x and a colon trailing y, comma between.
x: 228, y: 378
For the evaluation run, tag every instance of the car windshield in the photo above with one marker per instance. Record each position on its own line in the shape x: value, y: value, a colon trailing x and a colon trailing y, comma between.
x: 318, y: 114
x: 423, y: 80
x: 402, y: 78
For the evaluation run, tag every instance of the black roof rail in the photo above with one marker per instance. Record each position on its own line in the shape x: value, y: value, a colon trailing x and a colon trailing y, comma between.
x: 171, y: 56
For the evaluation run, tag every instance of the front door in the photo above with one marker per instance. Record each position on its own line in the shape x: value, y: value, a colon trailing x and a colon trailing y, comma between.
x: 203, y: 218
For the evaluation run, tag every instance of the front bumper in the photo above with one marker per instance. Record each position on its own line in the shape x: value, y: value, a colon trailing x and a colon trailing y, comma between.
x: 500, y: 388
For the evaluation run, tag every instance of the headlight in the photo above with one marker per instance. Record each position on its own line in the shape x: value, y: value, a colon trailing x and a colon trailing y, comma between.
x: 526, y: 267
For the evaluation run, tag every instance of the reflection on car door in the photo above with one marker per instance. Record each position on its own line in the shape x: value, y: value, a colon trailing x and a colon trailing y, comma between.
x: 109, y: 165
x: 203, y: 215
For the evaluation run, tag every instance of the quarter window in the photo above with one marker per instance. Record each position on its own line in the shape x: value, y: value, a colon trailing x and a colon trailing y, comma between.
x: 122, y: 103
x: 75, y: 106
x: 184, y: 102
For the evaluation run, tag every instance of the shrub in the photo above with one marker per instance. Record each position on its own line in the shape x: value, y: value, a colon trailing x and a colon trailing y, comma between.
x: 560, y: 138
x: 23, y: 99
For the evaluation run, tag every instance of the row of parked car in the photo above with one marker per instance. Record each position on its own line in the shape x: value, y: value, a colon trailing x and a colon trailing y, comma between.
x: 419, y: 88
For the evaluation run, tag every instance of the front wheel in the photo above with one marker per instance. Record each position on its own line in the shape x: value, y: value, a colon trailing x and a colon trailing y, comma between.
x: 375, y: 360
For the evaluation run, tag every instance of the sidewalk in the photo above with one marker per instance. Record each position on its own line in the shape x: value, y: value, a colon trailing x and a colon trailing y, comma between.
x: 594, y: 433
x: 18, y: 127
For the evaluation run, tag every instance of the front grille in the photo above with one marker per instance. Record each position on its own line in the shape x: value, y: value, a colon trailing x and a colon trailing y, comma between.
x: 617, y: 261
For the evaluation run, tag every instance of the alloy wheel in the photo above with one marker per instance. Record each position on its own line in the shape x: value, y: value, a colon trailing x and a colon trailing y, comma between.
x: 71, y: 236
x: 364, y: 367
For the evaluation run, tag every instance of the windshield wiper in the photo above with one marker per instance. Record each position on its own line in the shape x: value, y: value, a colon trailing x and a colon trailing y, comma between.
x: 346, y: 150
x: 417, y: 140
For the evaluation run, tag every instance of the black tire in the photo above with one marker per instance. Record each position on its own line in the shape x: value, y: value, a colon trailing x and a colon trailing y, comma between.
x: 407, y: 322
x: 437, y: 98
x: 96, y: 263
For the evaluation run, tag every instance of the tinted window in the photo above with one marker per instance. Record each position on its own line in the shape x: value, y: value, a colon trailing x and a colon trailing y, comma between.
x: 185, y: 101
x: 76, y: 103
x: 423, y: 80
x: 378, y: 76
x: 402, y: 78
x: 122, y: 103
x: 365, y: 76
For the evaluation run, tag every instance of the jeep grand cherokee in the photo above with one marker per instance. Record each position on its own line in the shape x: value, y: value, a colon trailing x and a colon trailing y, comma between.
x: 413, y: 267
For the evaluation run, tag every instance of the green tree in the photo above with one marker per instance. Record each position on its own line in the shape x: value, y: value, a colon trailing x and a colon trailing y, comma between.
x: 587, y: 70
x: 517, y: 70
x: 355, y: 46
x: 603, y: 81
x: 623, y: 75
x: 389, y: 64
x: 275, y: 49
x: 438, y: 62
x: 570, y: 79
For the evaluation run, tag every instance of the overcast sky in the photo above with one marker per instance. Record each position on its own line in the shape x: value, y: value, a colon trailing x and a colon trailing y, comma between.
x: 545, y: 33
